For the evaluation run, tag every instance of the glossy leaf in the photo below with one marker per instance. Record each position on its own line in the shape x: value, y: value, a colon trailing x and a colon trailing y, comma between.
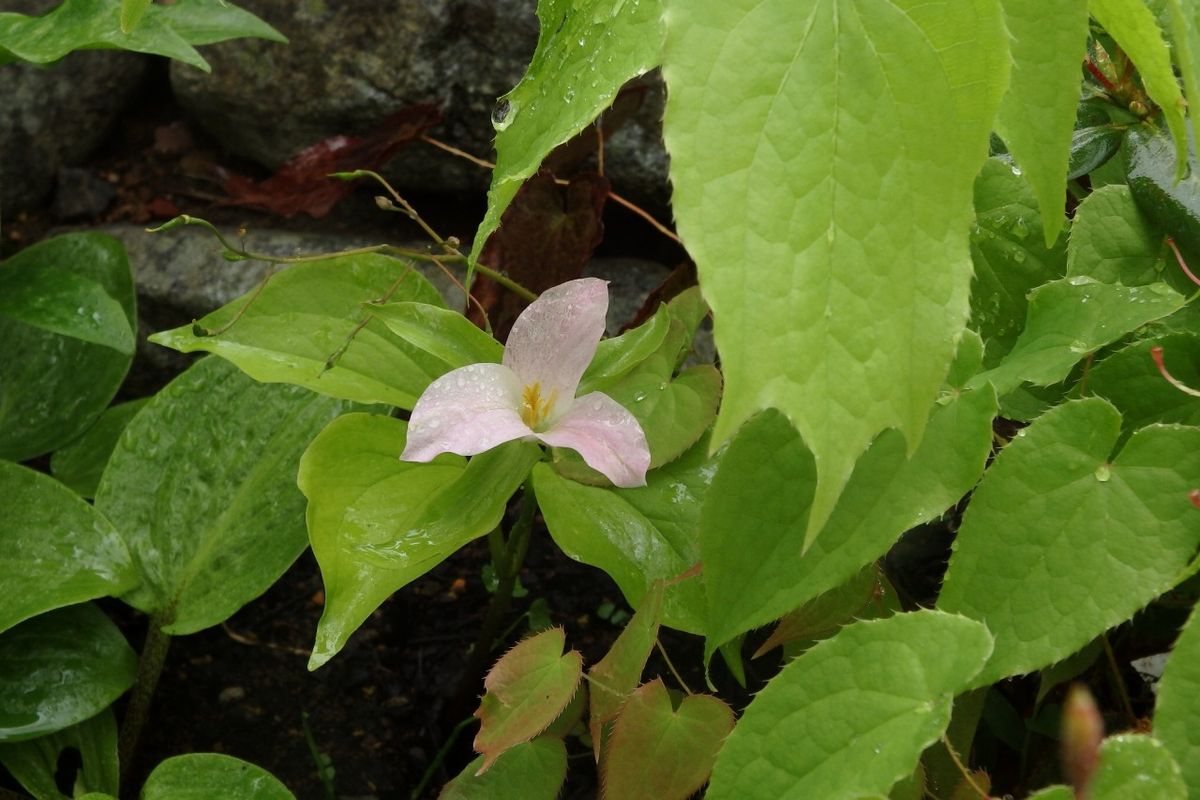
x: 752, y: 523
x: 1091, y: 148
x: 202, y: 488
x: 1134, y: 767
x: 616, y: 357
x: 66, y: 321
x: 838, y: 279
x: 35, y: 762
x: 889, y: 684
x: 1177, y: 708
x: 444, y: 334
x: 1037, y: 115
x: 1112, y: 242
x: 60, y: 669
x: 532, y: 770
x: 674, y: 412
x: 376, y: 523
x: 55, y: 549
x: 526, y: 689
x: 1063, y: 539
x: 663, y: 752
x: 132, y: 12
x: 1130, y: 380
x: 585, y: 52
x: 204, y: 776
x: 80, y: 463
x: 324, y: 300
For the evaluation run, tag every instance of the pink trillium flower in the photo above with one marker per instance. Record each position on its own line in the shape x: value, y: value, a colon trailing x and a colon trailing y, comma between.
x: 531, y: 395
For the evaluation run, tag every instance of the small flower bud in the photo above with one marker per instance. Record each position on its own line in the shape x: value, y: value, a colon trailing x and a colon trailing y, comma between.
x: 1082, y: 732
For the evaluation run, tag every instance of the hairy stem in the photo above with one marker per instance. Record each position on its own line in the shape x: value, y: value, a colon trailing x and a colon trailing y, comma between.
x: 150, y: 666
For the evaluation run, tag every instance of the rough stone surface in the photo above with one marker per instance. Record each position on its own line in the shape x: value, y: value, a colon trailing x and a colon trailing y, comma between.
x: 350, y: 64
x: 56, y: 116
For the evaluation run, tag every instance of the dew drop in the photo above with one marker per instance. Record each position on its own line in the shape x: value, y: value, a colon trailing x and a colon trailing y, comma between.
x: 1103, y: 473
x: 1019, y: 256
x: 639, y: 397
x: 1016, y: 170
x: 1020, y: 228
x: 435, y: 424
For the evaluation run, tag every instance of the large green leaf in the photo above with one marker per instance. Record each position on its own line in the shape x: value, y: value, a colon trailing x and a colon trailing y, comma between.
x: 202, y: 488
x: 1177, y: 709
x: 1130, y: 380
x: 55, y: 549
x: 752, y: 523
x: 1134, y: 767
x: 638, y: 536
x: 888, y: 684
x: 166, y: 30
x: 531, y: 771
x: 66, y: 320
x: 60, y: 669
x: 80, y: 463
x: 1064, y: 539
x: 1037, y: 115
x: 1113, y: 242
x: 437, y: 330
x: 822, y: 158
x: 35, y: 762
x: 306, y: 315
x: 376, y: 523
x: 586, y: 50
x: 205, y: 776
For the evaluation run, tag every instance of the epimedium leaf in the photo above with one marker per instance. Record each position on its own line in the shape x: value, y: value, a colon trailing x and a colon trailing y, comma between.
x: 53, y: 383
x: 1063, y: 539
x: 1177, y: 707
x: 1137, y: 767
x: 1010, y: 259
x: 203, y: 776
x: 445, y: 334
x: 55, y: 549
x: 80, y: 463
x: 763, y: 485
x: 829, y: 226
x: 660, y: 751
x: 1130, y: 380
x: 890, y: 684
x: 35, y: 762
x: 585, y: 52
x: 324, y: 300
x: 1113, y: 242
x: 1185, y: 45
x: 375, y: 522
x: 59, y: 669
x: 1037, y: 116
x: 525, y: 691
x: 202, y: 488
x: 532, y: 770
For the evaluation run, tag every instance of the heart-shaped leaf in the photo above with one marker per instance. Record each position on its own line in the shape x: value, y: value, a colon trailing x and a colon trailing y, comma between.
x: 531, y: 771
x: 1137, y: 767
x: 1177, y: 708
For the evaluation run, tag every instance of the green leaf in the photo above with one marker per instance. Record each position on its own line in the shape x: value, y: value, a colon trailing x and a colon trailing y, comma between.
x: 752, y: 523
x: 889, y: 684
x: 531, y: 771
x: 942, y: 773
x: 585, y: 52
x: 1136, y: 30
x: 202, y: 488
x: 305, y: 316
x: 55, y: 549
x: 204, y: 776
x: 616, y: 357
x: 80, y: 464
x: 1113, y: 242
x: 132, y: 12
x: 376, y: 523
x: 60, y: 669
x: 53, y: 384
x: 674, y: 412
x: 826, y: 199
x: 1010, y: 258
x: 1185, y: 46
x: 444, y: 334
x: 1054, y: 793
x: 1091, y: 148
x: 822, y: 616
x: 1062, y: 540
x: 1177, y: 708
x: 526, y: 689
x: 1037, y: 115
x: 34, y: 762
x: 1071, y: 318
x: 638, y: 536
x: 664, y: 752
x: 202, y: 22
x: 1137, y: 767
x: 1130, y: 380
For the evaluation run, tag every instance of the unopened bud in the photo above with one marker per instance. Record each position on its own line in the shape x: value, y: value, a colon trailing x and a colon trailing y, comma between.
x: 1082, y: 732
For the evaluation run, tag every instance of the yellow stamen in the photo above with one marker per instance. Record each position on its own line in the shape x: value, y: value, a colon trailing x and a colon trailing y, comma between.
x: 534, y: 408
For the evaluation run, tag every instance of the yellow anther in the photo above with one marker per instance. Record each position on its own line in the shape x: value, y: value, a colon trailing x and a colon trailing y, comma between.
x: 535, y: 408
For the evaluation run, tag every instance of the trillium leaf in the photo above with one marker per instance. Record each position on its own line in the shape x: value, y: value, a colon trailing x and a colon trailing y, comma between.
x: 203, y: 776
x: 324, y: 299
x: 56, y: 299
x: 829, y: 227
x: 526, y: 689
x: 889, y: 683
x: 1130, y: 380
x: 35, y: 762
x: 616, y: 357
x: 202, y: 488
x: 442, y: 333
x: 60, y: 669
x: 80, y: 464
x: 1137, y: 767
x: 55, y: 549
x: 532, y: 770
x: 1177, y: 708
x: 663, y: 752
x: 376, y: 523
x: 132, y: 12
x: 1063, y: 540
x: 674, y: 412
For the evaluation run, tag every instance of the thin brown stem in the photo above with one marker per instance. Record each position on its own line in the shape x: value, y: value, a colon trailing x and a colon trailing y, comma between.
x: 1118, y: 681
x: 241, y: 311
x: 1100, y: 77
x: 1156, y: 353
x: 336, y: 355
x: 966, y: 773
x: 454, y: 151
x: 1182, y: 263
x: 678, y: 678
x: 599, y: 147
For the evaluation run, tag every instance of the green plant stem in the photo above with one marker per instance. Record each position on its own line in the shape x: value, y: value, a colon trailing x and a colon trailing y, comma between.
x: 150, y: 666
x: 1118, y: 681
x: 320, y: 759
x: 439, y: 758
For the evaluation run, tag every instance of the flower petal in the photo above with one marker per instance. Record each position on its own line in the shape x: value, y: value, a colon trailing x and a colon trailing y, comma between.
x: 609, y: 438
x: 554, y: 339
x: 466, y: 411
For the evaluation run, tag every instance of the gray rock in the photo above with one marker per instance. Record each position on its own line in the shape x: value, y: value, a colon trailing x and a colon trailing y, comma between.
x: 80, y: 194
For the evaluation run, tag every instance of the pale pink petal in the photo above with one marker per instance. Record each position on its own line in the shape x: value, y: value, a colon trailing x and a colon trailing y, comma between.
x: 554, y: 339
x: 466, y: 411
x: 609, y: 438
